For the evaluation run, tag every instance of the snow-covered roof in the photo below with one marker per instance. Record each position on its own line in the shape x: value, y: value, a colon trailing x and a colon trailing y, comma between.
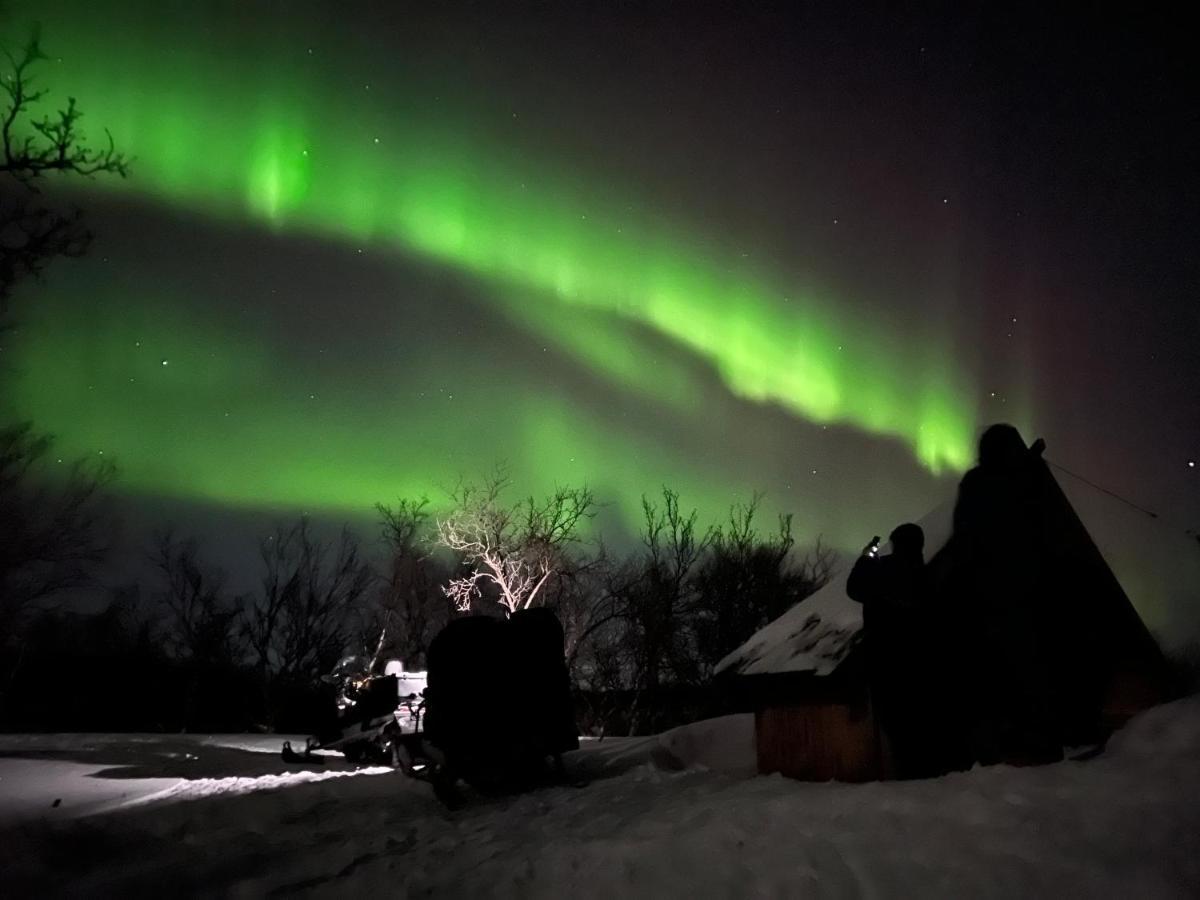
x: 1157, y: 565
x: 816, y: 634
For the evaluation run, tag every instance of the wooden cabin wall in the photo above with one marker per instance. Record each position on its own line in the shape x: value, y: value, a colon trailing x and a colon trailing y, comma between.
x: 820, y: 741
x: 1135, y: 686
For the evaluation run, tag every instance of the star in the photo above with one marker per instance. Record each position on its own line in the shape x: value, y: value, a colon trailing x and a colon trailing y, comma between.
x: 1191, y: 464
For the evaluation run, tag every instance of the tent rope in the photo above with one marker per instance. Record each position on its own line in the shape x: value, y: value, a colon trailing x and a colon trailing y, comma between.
x: 1098, y: 487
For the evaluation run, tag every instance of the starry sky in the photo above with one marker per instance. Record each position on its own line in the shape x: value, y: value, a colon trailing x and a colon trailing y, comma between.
x: 367, y: 248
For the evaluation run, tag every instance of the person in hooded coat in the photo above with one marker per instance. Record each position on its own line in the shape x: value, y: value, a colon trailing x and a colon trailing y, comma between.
x: 894, y: 593
x: 1002, y: 570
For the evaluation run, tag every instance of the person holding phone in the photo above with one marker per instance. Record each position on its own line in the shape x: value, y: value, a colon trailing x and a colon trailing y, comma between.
x: 893, y: 591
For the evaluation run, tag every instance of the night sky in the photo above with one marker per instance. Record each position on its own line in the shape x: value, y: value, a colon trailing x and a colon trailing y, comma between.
x: 367, y: 248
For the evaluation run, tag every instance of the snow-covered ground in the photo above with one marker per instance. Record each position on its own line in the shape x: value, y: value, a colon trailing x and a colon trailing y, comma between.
x: 680, y: 815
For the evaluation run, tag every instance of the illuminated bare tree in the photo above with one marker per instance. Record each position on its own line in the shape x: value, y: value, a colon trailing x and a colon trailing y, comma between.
x: 32, y: 232
x: 510, y: 551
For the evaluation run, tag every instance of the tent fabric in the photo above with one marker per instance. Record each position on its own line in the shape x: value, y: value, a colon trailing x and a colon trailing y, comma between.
x: 1158, y: 568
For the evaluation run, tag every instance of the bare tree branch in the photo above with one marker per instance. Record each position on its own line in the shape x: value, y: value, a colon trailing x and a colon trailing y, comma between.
x: 32, y: 233
x: 53, y: 526
x: 299, y: 624
x: 512, y: 551
x: 202, y: 617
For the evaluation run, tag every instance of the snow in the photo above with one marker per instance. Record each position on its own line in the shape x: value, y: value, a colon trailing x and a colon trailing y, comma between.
x: 673, y: 815
x: 725, y: 744
x: 1157, y: 564
x: 92, y: 773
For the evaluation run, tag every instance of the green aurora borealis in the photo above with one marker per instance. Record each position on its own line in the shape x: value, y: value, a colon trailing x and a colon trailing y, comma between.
x: 286, y: 146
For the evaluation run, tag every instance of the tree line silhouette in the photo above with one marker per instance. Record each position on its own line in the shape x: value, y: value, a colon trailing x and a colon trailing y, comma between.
x: 181, y: 650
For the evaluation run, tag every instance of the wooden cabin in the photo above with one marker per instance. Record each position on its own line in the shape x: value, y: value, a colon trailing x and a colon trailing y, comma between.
x: 804, y: 676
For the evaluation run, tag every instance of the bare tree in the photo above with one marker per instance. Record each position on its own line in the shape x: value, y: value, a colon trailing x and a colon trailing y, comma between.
x: 54, y: 528
x: 578, y: 593
x: 511, y: 551
x: 657, y: 595
x: 202, y: 615
x: 51, y: 527
x: 54, y: 531
x: 667, y: 615
x: 200, y: 634
x: 410, y: 605
x: 748, y: 579
x: 32, y: 232
x: 300, y: 622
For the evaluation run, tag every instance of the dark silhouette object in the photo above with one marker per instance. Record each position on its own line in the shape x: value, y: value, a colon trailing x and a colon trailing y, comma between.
x: 54, y: 533
x: 498, y: 704
x: 894, y: 592
x: 538, y: 648
x: 804, y: 675
x: 1035, y: 653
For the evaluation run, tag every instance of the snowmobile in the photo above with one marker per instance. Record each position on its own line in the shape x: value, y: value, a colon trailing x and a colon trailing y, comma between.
x: 374, y: 718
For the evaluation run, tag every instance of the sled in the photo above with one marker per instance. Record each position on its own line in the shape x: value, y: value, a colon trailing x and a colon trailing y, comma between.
x: 369, y: 721
x: 500, y: 711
